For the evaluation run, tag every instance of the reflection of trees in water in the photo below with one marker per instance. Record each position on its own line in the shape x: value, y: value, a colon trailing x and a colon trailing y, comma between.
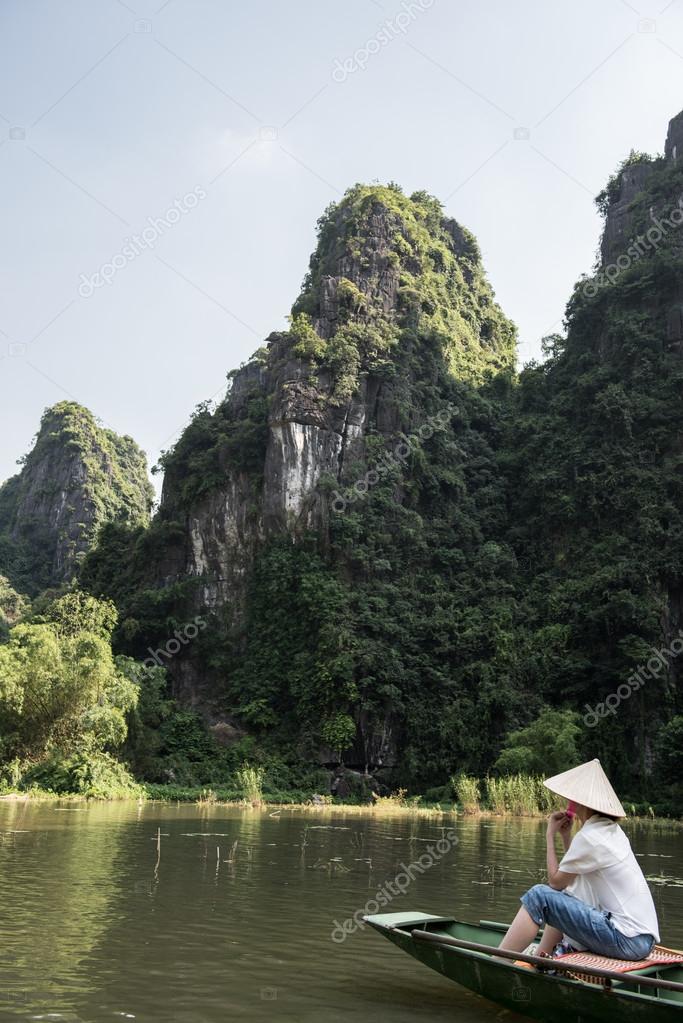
x: 58, y: 882
x: 186, y: 892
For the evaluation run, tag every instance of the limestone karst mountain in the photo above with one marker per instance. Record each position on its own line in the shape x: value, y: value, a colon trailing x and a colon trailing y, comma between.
x: 77, y: 476
x: 395, y: 335
x: 395, y: 297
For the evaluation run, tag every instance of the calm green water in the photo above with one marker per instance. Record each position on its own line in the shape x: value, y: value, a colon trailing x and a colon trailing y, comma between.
x: 100, y: 925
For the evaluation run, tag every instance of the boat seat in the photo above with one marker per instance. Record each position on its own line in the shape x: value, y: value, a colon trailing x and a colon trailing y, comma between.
x: 659, y: 956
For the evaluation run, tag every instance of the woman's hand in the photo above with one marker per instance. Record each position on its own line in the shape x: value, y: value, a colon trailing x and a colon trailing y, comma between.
x: 559, y: 822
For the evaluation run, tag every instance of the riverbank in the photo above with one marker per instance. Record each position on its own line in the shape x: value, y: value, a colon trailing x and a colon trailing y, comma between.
x: 198, y: 796
x: 397, y: 805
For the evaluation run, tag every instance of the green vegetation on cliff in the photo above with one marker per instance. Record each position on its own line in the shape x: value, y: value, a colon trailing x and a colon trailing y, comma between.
x: 442, y: 291
x: 527, y: 557
x: 593, y: 460
x: 77, y: 476
x: 400, y: 619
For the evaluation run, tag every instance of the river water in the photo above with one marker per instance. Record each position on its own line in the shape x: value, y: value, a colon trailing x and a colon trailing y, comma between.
x: 183, y: 914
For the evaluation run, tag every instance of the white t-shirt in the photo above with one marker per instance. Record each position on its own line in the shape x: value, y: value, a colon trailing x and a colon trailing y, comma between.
x: 600, y: 853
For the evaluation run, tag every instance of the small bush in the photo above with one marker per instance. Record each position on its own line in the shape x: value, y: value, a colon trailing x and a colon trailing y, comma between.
x: 97, y: 775
x: 467, y: 793
x: 307, y: 343
x: 398, y: 800
x: 250, y: 781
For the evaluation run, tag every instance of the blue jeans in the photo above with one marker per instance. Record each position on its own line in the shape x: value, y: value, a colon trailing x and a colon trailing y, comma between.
x: 587, y: 926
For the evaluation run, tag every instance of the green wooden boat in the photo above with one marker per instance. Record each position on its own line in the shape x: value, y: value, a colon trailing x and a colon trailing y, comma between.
x: 468, y: 954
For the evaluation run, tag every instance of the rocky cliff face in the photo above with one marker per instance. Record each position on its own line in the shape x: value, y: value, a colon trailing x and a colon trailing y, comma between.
x: 601, y: 489
x: 387, y: 268
x: 626, y: 187
x: 312, y: 490
x: 638, y: 202
x: 77, y: 476
x: 643, y: 207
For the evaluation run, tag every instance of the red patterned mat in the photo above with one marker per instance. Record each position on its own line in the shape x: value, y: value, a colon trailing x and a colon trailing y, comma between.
x: 659, y: 956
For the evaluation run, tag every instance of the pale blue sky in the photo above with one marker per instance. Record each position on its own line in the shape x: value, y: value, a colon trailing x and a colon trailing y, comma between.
x: 111, y: 110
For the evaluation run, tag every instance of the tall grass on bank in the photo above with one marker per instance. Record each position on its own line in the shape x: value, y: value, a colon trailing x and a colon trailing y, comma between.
x: 250, y: 781
x: 467, y: 792
x: 397, y: 802
x: 520, y: 795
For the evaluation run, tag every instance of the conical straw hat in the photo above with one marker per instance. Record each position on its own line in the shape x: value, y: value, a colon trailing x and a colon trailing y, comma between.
x: 589, y: 785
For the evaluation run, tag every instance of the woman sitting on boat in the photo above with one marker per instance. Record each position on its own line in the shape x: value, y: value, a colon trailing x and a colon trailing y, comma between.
x: 596, y: 898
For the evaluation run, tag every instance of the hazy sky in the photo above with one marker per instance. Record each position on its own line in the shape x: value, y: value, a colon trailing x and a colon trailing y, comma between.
x: 512, y: 112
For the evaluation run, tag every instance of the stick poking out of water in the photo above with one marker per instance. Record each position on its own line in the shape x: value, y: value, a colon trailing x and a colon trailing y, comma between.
x: 156, y: 865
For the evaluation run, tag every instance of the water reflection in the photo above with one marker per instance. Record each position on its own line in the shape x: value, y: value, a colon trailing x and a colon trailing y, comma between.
x: 59, y: 872
x: 198, y: 914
